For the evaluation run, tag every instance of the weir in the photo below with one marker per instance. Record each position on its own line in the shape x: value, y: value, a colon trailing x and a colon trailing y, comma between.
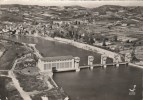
x: 69, y: 63
x: 116, y: 61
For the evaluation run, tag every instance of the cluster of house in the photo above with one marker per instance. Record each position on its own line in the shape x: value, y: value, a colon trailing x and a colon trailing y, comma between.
x: 24, y: 29
x: 31, y: 28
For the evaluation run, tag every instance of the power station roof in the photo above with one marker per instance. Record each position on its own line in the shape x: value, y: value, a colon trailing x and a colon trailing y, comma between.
x: 57, y: 58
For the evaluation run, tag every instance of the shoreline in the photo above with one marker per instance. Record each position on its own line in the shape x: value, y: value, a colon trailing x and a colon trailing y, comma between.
x: 135, y: 65
x: 84, y: 46
x: 79, y: 45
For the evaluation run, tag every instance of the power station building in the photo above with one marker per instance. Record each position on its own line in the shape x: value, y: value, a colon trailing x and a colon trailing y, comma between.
x: 59, y: 63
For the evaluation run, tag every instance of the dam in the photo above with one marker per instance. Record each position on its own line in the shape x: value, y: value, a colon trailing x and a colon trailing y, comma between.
x: 99, y: 84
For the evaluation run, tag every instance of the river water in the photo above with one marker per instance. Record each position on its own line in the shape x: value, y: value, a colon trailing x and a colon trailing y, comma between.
x: 97, y: 84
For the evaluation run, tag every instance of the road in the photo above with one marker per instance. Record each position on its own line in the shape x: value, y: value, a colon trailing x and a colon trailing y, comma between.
x: 23, y: 94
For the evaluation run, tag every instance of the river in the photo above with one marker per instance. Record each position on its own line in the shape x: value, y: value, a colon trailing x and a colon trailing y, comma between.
x: 97, y: 84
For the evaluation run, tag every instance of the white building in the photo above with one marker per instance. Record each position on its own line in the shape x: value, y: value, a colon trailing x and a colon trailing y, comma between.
x: 59, y: 63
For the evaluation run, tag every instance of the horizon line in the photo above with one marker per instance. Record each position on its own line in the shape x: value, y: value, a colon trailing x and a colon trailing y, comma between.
x: 87, y: 4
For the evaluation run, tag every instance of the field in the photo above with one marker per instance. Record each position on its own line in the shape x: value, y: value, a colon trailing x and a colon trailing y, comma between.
x: 31, y: 83
x: 7, y: 89
x: 13, y: 51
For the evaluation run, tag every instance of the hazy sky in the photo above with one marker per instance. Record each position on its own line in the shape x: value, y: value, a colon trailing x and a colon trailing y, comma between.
x: 87, y: 3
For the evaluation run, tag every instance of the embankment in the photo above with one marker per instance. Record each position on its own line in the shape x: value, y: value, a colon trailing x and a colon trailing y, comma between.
x: 135, y: 65
x: 109, y: 54
x: 87, y: 47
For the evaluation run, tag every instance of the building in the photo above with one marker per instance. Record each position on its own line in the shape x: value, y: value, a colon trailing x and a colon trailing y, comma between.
x: 125, y: 39
x: 109, y: 13
x: 13, y: 9
x: 95, y: 13
x: 59, y: 63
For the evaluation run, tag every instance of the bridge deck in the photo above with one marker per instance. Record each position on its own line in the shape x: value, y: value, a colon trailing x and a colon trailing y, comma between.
x: 98, y: 65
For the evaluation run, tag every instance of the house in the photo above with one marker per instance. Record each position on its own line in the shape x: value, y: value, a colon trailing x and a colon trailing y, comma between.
x: 125, y: 39
x: 14, y: 9
x: 95, y: 13
x: 124, y: 25
x: 109, y: 13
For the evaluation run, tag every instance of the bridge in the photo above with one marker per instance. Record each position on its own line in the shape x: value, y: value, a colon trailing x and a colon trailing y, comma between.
x: 116, y: 62
x: 100, y: 65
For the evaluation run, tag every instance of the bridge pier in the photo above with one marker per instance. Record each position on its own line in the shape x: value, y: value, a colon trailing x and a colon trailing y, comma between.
x: 103, y: 60
x: 126, y: 64
x: 76, y: 64
x: 117, y: 65
x: 90, y: 62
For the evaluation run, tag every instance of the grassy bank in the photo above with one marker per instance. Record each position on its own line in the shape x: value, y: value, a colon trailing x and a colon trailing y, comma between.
x: 13, y: 51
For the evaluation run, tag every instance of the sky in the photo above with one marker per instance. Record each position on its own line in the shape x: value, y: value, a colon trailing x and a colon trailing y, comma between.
x: 84, y: 3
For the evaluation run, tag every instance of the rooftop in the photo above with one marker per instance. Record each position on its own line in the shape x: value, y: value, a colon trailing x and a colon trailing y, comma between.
x: 57, y: 58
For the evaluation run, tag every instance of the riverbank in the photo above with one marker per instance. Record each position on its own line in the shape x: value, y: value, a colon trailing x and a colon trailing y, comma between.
x: 135, y: 65
x: 80, y: 45
x: 87, y: 47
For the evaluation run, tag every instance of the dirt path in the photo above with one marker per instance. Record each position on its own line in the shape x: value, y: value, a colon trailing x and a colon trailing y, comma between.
x: 23, y: 94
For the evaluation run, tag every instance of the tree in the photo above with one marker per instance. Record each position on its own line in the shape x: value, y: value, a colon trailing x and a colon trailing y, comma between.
x: 104, y: 42
x: 134, y: 58
x: 35, y: 22
x: 127, y: 41
x: 53, y: 34
x: 86, y: 38
x: 115, y: 38
x: 91, y: 40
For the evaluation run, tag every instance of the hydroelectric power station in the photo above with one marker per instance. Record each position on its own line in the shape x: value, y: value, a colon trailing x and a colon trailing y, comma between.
x: 69, y: 63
